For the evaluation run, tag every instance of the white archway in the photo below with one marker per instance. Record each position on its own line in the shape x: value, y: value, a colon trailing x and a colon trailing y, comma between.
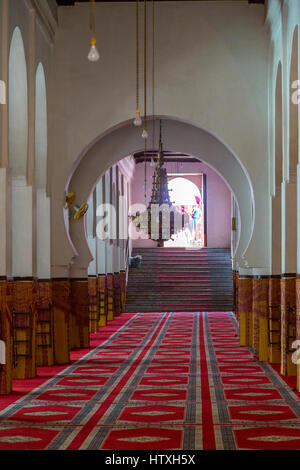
x: 182, y: 136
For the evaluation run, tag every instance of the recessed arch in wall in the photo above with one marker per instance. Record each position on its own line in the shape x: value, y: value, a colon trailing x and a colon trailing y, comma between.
x: 289, y: 216
x: 41, y: 140
x: 278, y: 163
x: 22, y: 201
x: 18, y: 106
x: 43, y: 202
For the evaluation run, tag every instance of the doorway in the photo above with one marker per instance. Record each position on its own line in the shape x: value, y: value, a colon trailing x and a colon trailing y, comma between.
x: 187, y: 195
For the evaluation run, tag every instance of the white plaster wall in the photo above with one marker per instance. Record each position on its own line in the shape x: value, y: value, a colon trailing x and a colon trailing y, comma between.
x: 3, y: 246
x: 92, y: 270
x: 203, y: 75
x: 43, y: 236
x: 33, y: 21
x: 22, y: 228
x: 282, y: 18
x: 18, y: 106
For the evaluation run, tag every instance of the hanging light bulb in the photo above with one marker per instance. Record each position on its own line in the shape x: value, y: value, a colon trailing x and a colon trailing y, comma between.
x: 93, y: 54
x: 145, y: 133
x: 152, y: 163
x: 138, y: 120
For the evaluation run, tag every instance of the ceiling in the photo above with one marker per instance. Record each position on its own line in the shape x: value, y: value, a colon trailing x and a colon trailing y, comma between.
x: 141, y: 157
x: 72, y: 2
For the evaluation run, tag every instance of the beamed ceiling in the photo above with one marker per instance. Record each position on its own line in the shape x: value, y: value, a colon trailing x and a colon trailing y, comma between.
x: 72, y: 2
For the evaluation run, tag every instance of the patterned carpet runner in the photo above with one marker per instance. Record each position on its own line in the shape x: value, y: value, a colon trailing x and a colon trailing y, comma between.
x: 157, y: 381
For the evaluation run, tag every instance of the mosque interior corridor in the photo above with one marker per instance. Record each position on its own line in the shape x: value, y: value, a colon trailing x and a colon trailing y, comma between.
x: 149, y: 226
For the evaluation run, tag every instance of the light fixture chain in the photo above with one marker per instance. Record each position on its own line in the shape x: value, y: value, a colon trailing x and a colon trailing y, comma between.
x: 145, y: 170
x: 145, y: 92
x: 137, y: 57
x: 153, y: 77
x: 92, y: 18
x: 145, y: 63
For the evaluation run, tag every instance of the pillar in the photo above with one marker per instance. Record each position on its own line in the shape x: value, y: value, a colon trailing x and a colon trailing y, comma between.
x: 110, y: 296
x: 101, y: 259
x: 298, y: 327
x: 123, y: 289
x: 288, y: 324
x: 123, y: 240
x: 92, y: 269
x: 93, y: 304
x: 61, y: 289
x: 6, y: 335
x: 274, y: 321
x: 110, y: 246
x: 24, y: 296
x: 79, y: 333
x: 260, y: 317
x: 45, y: 324
x: 244, y: 304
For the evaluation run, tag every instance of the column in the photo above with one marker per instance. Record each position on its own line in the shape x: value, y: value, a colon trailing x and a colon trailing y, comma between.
x: 6, y: 337
x: 288, y: 324
x: 116, y: 242
x: 92, y: 269
x: 101, y: 257
x: 245, y: 309
x: 260, y: 317
x: 274, y: 321
x: 298, y: 328
x: 61, y: 289
x: 109, y: 249
x: 123, y: 242
x: 80, y: 337
x: 45, y: 324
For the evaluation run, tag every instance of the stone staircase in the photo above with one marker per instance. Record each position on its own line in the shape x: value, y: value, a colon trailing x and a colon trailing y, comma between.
x: 180, y: 279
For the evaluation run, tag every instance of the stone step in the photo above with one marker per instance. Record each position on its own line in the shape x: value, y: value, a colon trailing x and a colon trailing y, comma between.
x: 180, y: 279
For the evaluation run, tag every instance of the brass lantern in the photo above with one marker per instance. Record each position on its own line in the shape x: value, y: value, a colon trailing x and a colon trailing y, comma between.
x: 161, y: 220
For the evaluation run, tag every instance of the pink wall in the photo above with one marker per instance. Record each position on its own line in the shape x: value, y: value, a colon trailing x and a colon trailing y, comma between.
x: 218, y: 201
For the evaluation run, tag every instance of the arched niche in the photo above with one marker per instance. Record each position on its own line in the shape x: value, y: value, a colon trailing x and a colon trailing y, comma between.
x: 18, y: 106
x: 182, y: 136
x: 43, y: 202
x: 277, y: 165
x: 41, y: 140
x: 22, y: 201
x: 290, y: 186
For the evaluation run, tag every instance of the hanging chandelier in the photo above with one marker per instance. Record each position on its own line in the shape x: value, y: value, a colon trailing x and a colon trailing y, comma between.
x: 161, y: 221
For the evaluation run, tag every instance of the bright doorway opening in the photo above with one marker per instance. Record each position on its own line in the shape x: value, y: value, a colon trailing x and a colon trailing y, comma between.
x: 187, y: 195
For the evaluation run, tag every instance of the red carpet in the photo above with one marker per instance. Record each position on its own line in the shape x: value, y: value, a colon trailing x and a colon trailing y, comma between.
x: 158, y: 381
